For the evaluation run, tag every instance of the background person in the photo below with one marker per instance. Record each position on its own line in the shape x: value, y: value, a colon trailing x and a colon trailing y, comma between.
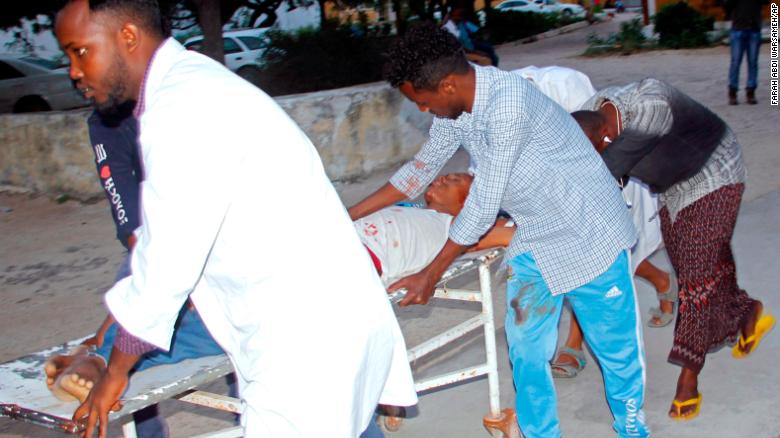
x: 114, y: 138
x: 467, y: 33
x: 206, y: 236
x: 534, y: 162
x: 691, y: 158
x: 744, y: 38
x: 571, y: 89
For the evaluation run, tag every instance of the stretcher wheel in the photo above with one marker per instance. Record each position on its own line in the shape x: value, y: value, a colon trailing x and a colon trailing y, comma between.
x: 505, y: 425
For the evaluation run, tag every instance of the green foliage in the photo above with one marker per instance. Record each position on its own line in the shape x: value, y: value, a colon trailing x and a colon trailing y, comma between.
x: 680, y: 26
x: 513, y: 25
x: 320, y: 59
x: 628, y: 40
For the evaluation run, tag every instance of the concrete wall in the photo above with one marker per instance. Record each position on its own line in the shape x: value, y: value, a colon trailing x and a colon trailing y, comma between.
x: 357, y: 130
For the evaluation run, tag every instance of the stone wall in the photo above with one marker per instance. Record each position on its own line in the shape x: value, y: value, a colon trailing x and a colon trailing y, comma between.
x: 357, y: 130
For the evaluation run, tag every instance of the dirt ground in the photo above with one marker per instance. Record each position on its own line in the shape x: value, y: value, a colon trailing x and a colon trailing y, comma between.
x: 58, y: 259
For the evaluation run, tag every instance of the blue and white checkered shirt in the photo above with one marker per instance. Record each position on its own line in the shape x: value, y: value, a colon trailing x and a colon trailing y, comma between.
x: 533, y: 161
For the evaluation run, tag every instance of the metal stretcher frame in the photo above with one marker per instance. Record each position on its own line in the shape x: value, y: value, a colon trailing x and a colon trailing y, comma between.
x: 499, y: 423
x: 24, y: 396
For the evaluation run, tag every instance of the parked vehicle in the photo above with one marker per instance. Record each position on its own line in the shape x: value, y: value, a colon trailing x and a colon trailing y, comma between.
x: 30, y: 84
x: 243, y: 50
x: 519, y: 6
x: 567, y: 10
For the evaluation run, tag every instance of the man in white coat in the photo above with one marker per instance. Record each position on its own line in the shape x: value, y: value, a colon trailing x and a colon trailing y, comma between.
x: 311, y: 334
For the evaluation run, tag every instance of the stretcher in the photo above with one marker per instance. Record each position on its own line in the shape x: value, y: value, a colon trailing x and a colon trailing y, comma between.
x: 498, y: 422
x: 25, y: 397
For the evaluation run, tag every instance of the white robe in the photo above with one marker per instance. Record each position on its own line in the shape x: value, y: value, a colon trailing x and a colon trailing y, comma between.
x: 239, y: 215
x: 644, y: 213
x: 569, y: 88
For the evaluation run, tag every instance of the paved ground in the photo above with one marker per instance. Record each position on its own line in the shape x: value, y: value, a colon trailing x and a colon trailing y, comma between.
x: 58, y: 259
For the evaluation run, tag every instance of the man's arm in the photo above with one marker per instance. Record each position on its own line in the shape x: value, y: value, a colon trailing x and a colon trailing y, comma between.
x: 499, y: 235
x: 104, y: 396
x: 119, y: 172
x: 383, y: 197
x: 420, y: 286
x: 413, y: 177
x: 508, y: 133
x: 100, y: 335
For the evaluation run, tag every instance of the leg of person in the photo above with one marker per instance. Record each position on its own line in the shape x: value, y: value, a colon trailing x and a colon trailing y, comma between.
x: 373, y: 430
x: 532, y: 328
x: 713, y: 309
x: 753, y: 45
x: 609, y: 316
x: 232, y: 384
x: 570, y: 359
x: 735, y: 43
x: 190, y: 340
x: 150, y: 424
x: 661, y: 281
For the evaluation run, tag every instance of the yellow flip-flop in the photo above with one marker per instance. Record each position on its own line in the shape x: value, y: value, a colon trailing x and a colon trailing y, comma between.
x: 763, y: 326
x: 678, y: 405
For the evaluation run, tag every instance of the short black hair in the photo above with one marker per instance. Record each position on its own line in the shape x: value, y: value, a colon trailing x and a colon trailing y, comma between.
x: 145, y: 13
x: 589, y: 121
x: 424, y: 56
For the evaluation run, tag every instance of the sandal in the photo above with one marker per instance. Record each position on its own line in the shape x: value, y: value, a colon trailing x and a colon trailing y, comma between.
x: 764, y: 324
x: 678, y: 405
x: 566, y: 370
x: 656, y: 314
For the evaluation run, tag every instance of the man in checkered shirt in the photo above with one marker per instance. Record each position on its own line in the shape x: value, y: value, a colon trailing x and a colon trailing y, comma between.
x: 574, y: 230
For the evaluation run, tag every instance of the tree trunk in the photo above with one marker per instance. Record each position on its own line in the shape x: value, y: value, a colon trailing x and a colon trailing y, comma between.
x: 323, y: 17
x: 210, y: 22
x: 400, y: 21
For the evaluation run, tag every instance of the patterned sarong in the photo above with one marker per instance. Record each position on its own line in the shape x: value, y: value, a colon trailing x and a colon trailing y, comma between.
x: 712, y: 306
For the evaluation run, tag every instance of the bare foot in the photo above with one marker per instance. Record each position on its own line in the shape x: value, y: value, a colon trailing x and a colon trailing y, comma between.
x: 687, y: 388
x: 71, y: 377
x: 749, y: 325
x: 57, y: 364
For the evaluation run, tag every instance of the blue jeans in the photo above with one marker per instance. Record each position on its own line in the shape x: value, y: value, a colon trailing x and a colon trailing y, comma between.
x: 609, y: 316
x: 190, y: 340
x: 742, y: 41
x: 373, y: 430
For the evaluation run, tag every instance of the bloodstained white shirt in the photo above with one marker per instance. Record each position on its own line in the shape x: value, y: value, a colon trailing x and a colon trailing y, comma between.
x: 292, y: 298
x: 404, y: 239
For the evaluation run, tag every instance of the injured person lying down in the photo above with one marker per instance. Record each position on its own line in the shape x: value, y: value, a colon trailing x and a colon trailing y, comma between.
x: 404, y: 240
x: 400, y: 240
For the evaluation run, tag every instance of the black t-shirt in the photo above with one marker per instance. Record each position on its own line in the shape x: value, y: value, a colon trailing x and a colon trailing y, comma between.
x: 745, y: 14
x: 119, y: 169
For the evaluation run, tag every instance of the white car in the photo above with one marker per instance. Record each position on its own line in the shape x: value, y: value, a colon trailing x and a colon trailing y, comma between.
x: 30, y: 84
x: 519, y: 6
x: 243, y: 50
x: 566, y: 10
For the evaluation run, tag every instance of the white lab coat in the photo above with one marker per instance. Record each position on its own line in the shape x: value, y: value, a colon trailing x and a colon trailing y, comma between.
x: 239, y: 215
